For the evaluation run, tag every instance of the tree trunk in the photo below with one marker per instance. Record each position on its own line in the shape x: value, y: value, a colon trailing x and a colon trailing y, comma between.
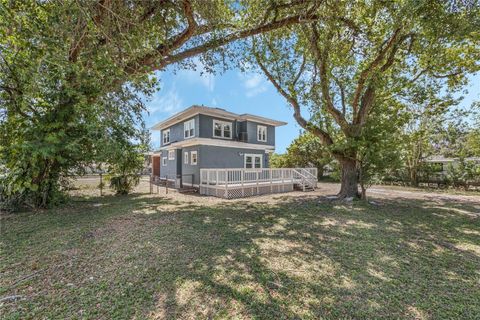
x: 413, y: 177
x: 349, y: 187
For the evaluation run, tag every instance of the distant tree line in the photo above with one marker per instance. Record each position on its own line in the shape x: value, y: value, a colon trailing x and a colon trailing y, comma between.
x: 450, y: 136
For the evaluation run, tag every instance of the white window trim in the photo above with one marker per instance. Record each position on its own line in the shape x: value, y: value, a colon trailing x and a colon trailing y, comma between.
x: 253, y: 155
x: 185, y: 157
x: 191, y: 158
x: 185, y: 124
x: 164, y: 134
x: 164, y: 161
x: 223, y: 123
x: 171, y: 154
x: 258, y: 131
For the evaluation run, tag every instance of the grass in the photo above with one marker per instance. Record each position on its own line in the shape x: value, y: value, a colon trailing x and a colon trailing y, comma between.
x: 149, y: 257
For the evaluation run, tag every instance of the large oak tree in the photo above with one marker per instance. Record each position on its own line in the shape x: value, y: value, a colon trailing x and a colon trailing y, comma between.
x: 374, y: 60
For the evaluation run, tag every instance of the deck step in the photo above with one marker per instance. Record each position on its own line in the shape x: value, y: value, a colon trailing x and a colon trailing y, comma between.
x: 187, y: 190
x: 307, y: 188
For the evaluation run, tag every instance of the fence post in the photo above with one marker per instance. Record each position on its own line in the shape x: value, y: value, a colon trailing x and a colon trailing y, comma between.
x: 101, y: 184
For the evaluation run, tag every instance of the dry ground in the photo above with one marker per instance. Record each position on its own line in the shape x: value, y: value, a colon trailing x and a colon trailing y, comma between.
x: 411, y: 254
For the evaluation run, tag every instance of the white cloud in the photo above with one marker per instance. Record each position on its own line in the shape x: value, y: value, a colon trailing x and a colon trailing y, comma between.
x: 168, y: 102
x: 253, y: 84
x: 199, y: 75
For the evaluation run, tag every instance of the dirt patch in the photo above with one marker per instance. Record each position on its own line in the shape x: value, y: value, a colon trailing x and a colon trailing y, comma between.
x: 89, y: 187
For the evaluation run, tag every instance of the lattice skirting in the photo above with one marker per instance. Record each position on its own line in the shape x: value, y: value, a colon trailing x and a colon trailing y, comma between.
x: 241, y: 192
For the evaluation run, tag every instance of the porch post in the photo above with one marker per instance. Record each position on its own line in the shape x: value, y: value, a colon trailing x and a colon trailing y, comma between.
x: 271, y: 180
x: 242, y: 172
x: 226, y: 183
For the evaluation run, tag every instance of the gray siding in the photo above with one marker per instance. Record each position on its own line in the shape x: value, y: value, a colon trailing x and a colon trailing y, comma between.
x: 212, y: 157
x: 208, y: 157
x: 225, y: 157
x: 189, y: 169
x: 176, y: 131
x: 170, y: 170
x: 204, y: 129
x: 252, y: 133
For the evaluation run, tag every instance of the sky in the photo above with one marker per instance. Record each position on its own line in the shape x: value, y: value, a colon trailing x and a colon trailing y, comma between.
x: 236, y: 92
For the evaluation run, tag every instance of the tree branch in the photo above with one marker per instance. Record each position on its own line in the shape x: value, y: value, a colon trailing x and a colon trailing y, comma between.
x: 321, y: 58
x: 153, y: 65
x: 342, y: 95
x: 324, y: 136
x: 366, y: 72
x: 369, y: 95
x: 176, y: 41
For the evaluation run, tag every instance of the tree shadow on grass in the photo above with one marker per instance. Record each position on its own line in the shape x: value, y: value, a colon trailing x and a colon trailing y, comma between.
x: 298, y: 258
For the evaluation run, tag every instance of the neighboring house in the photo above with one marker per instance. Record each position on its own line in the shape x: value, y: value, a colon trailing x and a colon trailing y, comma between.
x: 211, y: 138
x: 442, y: 163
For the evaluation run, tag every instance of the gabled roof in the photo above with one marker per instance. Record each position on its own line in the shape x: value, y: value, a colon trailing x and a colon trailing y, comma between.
x: 215, y: 112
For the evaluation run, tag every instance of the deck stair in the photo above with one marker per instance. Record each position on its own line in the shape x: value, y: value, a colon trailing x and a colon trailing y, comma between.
x: 305, y: 180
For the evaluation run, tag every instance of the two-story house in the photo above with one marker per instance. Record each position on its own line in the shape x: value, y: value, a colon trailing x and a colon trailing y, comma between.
x: 204, y: 137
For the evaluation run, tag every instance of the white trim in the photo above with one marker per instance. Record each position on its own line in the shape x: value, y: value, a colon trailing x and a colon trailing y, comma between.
x: 191, y: 158
x: 171, y: 154
x: 222, y: 130
x: 259, y: 127
x: 164, y: 133
x: 164, y: 161
x: 191, y: 184
x: 253, y: 156
x: 214, y: 112
x: 190, y: 123
x: 218, y: 143
x: 185, y: 157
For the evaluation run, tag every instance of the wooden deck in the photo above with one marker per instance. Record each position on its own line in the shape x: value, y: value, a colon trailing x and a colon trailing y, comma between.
x: 239, y: 183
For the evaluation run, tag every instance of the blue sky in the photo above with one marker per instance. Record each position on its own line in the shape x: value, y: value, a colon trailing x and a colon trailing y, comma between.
x: 237, y: 92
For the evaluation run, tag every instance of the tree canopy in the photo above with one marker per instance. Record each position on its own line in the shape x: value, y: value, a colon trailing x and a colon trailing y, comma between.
x: 368, y: 61
x: 73, y: 75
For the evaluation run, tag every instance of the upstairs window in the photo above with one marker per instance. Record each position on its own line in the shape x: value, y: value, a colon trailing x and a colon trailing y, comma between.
x: 166, y: 136
x: 262, y: 133
x: 222, y: 129
x: 189, y: 129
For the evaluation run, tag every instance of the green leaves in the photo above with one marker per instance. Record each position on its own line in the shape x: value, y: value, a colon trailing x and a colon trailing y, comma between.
x: 364, y: 64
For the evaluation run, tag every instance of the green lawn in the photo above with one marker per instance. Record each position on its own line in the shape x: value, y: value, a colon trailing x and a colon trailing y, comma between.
x: 147, y: 257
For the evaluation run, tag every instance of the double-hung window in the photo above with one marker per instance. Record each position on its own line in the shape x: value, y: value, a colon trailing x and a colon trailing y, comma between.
x: 166, y: 136
x: 171, y: 154
x: 262, y: 133
x: 193, y: 158
x: 253, y: 161
x: 189, y: 129
x: 164, y: 161
x: 222, y: 129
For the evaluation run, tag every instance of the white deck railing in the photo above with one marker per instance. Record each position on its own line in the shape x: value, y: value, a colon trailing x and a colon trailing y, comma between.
x: 240, y: 177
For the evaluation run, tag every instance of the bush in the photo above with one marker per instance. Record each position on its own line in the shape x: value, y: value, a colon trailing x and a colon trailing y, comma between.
x: 124, y: 184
